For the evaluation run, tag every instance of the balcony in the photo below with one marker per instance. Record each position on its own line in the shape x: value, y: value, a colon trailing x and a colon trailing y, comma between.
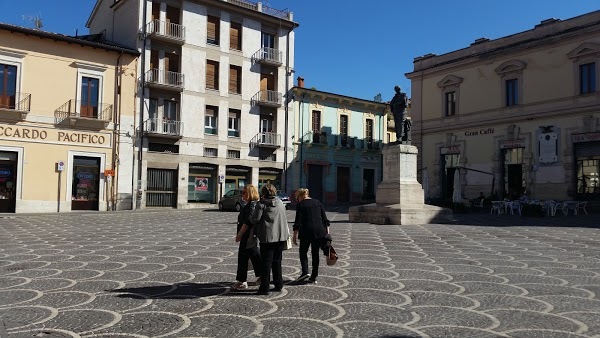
x: 370, y: 144
x: 345, y: 141
x: 164, y: 79
x: 266, y: 140
x: 163, y: 128
x: 15, y: 106
x: 166, y: 31
x: 84, y: 114
x: 268, y: 98
x: 268, y: 56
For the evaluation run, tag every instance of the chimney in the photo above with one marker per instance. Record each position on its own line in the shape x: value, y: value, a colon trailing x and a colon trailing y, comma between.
x: 300, y: 82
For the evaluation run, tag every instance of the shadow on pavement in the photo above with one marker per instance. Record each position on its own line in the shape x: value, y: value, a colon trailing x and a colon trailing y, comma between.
x: 175, y: 291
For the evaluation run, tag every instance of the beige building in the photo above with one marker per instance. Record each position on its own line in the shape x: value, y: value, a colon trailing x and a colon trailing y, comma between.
x: 518, y: 114
x: 61, y: 101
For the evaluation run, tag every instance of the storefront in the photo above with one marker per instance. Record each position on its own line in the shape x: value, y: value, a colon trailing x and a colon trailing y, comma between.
x: 236, y: 177
x: 587, y: 164
x: 269, y: 176
x: 44, y: 169
x: 449, y: 162
x: 202, y: 183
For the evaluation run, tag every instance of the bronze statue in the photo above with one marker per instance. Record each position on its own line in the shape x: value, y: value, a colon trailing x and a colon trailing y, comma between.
x: 398, y: 108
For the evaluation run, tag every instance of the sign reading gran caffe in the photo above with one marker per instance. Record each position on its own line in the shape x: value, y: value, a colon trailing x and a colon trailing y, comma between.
x: 57, y: 136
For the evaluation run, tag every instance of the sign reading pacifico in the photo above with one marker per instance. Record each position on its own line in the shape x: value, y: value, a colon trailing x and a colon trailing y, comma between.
x: 49, y: 135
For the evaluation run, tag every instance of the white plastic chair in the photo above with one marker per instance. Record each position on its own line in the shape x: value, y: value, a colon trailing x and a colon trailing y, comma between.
x: 581, y: 206
x: 497, y: 207
x: 515, y: 205
x: 550, y: 207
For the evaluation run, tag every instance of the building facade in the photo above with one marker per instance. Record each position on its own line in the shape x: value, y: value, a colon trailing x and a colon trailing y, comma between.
x: 337, y: 145
x: 515, y: 115
x: 214, y: 77
x: 62, y: 100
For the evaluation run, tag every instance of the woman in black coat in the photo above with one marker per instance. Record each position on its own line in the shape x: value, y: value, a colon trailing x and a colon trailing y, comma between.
x: 311, y: 226
x: 248, y: 244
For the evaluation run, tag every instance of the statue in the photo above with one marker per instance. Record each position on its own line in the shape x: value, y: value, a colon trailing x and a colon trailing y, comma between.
x: 398, y: 108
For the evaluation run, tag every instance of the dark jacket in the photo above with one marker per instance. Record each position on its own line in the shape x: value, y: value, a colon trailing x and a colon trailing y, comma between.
x: 248, y: 237
x: 311, y: 221
x: 270, y: 221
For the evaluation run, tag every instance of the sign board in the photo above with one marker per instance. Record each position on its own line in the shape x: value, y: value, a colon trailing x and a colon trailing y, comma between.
x: 109, y: 172
x: 587, y: 137
x: 509, y: 144
x: 60, y: 166
x: 221, y: 178
x: 450, y: 150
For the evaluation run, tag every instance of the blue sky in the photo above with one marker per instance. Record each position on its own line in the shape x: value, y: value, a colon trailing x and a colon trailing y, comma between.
x: 357, y: 48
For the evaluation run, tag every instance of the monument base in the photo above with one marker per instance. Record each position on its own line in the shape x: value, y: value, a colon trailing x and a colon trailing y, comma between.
x: 399, y: 197
x: 395, y: 214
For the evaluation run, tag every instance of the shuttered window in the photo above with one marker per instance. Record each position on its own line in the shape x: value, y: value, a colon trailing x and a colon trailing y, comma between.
x: 235, y: 79
x: 210, y: 120
x: 212, y: 74
x: 212, y: 31
x: 235, y: 36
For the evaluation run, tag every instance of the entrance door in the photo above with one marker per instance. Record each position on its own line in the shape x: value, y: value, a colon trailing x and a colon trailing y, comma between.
x: 8, y: 86
x: 513, y: 184
x: 369, y: 184
x: 86, y: 183
x: 449, y: 183
x: 8, y: 181
x: 343, y: 184
x: 162, y: 188
x: 315, y: 181
x: 267, y: 82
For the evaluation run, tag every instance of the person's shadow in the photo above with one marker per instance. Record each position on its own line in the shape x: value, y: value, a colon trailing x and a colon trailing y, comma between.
x: 175, y: 291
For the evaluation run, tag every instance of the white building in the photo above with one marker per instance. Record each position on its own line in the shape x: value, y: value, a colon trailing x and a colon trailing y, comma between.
x: 213, y: 78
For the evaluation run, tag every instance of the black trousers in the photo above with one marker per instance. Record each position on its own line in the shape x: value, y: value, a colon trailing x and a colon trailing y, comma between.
x: 315, y: 245
x: 242, y: 266
x: 271, y: 255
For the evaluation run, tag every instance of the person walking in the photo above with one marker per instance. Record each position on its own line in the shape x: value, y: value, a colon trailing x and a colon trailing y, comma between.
x: 272, y: 231
x: 248, y: 248
x: 311, y: 226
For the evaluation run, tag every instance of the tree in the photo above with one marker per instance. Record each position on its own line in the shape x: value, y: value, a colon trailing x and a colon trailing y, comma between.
x: 378, y: 98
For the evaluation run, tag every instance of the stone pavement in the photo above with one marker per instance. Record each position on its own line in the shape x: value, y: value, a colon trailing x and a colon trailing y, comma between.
x: 168, y: 273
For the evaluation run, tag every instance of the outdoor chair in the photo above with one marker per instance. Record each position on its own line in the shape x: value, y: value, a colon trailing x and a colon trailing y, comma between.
x: 497, y: 207
x: 514, y: 205
x: 581, y: 206
x: 550, y: 207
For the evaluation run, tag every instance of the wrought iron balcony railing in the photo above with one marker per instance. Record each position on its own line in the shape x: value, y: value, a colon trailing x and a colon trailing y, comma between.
x: 163, y: 127
x: 268, y: 98
x: 267, y: 139
x: 164, y: 78
x: 166, y: 29
x: 18, y: 101
x: 84, y: 110
x: 269, y: 55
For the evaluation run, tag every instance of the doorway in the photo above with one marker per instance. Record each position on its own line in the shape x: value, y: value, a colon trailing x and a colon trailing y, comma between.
x: 512, y: 163
x: 86, y: 183
x: 343, y: 184
x: 315, y: 181
x: 8, y: 181
x: 161, y: 188
x: 368, y: 184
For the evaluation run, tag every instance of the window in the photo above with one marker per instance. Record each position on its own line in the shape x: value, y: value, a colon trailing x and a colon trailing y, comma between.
x: 233, y: 126
x: 369, y: 129
x: 268, y: 40
x: 211, y: 152
x: 89, y: 97
x: 212, y: 74
x: 210, y: 120
x: 344, y: 125
x: 235, y: 79
x: 233, y: 154
x: 587, y: 78
x: 212, y: 31
x: 8, y: 86
x: 450, y: 104
x: 512, y: 92
x: 316, y: 121
x: 235, y: 36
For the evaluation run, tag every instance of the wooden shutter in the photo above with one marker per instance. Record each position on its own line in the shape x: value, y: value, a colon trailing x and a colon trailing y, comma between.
x: 234, y: 79
x: 213, y: 30
x: 210, y: 111
x: 212, y: 74
x: 235, y: 36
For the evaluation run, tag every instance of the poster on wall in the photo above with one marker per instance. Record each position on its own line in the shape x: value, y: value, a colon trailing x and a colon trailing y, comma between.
x: 201, y: 184
x: 548, y: 145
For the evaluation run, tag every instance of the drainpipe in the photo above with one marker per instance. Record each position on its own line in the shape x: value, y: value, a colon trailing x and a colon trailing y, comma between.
x: 287, y: 102
x: 301, y: 168
x: 141, y: 120
x: 116, y: 127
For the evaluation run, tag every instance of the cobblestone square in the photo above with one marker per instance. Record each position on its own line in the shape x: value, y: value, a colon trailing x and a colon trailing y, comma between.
x: 168, y: 274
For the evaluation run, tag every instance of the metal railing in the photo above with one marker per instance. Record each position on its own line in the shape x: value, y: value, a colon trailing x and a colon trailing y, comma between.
x: 164, y: 77
x: 245, y: 4
x: 267, y: 138
x: 17, y: 101
x: 81, y: 109
x: 262, y: 8
x: 168, y: 29
x: 163, y: 126
x: 371, y: 144
x: 269, y: 54
x: 268, y: 96
x: 345, y: 141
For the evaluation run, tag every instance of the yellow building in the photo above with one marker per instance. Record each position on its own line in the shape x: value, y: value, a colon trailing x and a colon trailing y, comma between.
x: 518, y: 114
x: 62, y: 100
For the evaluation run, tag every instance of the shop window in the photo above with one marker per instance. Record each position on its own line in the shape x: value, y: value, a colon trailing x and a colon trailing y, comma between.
x: 201, y: 186
x: 86, y: 183
x: 588, y: 171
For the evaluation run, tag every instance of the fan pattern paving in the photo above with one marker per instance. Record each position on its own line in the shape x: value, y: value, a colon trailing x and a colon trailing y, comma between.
x: 168, y: 274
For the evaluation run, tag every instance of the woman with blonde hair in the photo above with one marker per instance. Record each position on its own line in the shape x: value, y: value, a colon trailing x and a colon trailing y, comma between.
x: 311, y: 226
x: 248, y: 248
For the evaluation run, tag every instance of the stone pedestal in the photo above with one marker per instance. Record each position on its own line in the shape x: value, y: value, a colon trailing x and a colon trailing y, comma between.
x: 399, y: 198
